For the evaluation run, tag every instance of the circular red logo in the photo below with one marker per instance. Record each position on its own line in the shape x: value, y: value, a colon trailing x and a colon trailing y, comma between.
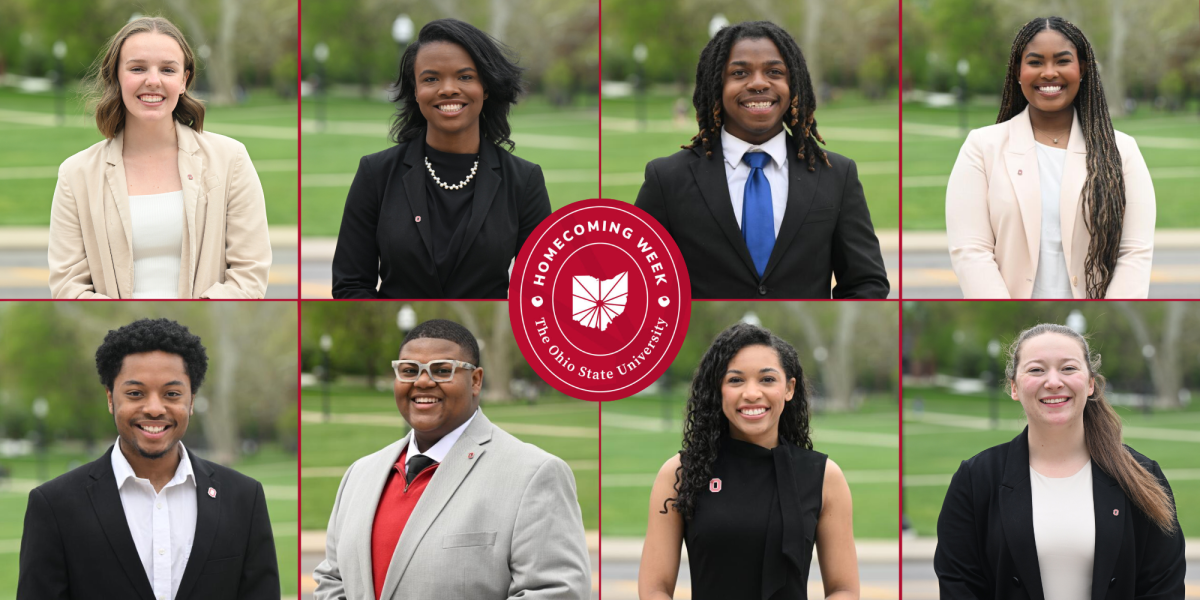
x: 599, y: 300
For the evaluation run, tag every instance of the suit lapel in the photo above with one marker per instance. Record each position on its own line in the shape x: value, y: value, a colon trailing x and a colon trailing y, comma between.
x: 120, y: 243
x: 1016, y: 515
x: 1073, y: 178
x: 190, y: 164
x: 802, y: 190
x: 1020, y: 159
x: 414, y: 189
x: 106, y: 501
x: 714, y: 188
x: 208, y: 519
x: 1110, y: 507
x: 446, y: 480
x: 487, y: 183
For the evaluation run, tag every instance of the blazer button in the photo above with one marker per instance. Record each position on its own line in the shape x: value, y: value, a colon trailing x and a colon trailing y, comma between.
x: 1112, y: 582
x: 1075, y: 281
x: 1017, y: 581
x: 762, y: 290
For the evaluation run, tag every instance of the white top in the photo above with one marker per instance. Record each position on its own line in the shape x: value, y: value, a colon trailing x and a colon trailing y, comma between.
x: 439, y: 450
x: 163, y: 524
x: 157, y: 244
x: 1052, y: 280
x: 737, y: 172
x: 1064, y: 531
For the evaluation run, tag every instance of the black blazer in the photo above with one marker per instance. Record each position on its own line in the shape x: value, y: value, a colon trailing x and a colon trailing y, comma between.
x: 76, y: 544
x: 826, y: 230
x: 985, y: 534
x: 381, y: 236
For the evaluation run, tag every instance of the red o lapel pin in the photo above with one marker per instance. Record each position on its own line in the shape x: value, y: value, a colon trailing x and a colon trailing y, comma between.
x: 1116, y: 512
x: 212, y: 492
x: 470, y: 455
x: 714, y: 485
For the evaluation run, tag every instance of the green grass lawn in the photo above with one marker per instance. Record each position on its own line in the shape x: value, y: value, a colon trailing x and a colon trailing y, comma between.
x: 332, y: 447
x: 1167, y: 142
x: 932, y: 450
x: 272, y: 467
x: 561, y: 140
x: 633, y: 452
x: 864, y: 132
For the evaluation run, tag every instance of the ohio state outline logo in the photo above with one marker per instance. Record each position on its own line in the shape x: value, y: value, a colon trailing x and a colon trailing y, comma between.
x: 599, y: 300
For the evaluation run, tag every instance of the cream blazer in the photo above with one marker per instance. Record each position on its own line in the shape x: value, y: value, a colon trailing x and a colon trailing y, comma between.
x: 994, y: 214
x: 226, y: 250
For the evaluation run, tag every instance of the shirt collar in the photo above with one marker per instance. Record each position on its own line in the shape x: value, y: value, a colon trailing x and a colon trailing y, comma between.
x: 439, y: 450
x: 734, y: 147
x: 124, y: 471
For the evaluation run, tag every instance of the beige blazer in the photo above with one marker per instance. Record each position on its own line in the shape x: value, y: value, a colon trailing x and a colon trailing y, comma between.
x: 226, y: 251
x: 994, y: 214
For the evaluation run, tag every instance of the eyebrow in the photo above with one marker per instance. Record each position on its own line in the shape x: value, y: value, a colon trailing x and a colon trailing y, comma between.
x: 436, y: 72
x: 746, y: 63
x: 762, y: 370
x: 142, y: 60
x: 1056, y: 54
x: 136, y: 382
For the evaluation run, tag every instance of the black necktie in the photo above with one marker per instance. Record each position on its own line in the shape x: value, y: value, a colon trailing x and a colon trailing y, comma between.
x: 417, y: 464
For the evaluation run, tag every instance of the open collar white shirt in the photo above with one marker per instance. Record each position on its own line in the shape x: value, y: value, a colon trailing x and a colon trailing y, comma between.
x: 439, y: 450
x: 737, y: 172
x: 163, y: 523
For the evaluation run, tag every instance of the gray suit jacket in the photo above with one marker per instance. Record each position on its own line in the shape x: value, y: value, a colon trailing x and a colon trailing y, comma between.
x: 500, y: 519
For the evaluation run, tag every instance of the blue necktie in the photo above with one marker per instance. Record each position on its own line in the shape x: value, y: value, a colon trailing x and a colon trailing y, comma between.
x: 758, y: 219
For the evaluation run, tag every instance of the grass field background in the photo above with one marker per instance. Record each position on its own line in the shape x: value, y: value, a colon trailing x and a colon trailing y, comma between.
x: 937, y: 438
x: 636, y: 441
x: 35, y: 145
x: 561, y: 140
x: 330, y: 448
x: 1170, y: 143
x: 863, y: 131
x: 272, y: 467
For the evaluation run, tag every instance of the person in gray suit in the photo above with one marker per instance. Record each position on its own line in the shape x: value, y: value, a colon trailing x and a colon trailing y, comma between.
x: 457, y: 508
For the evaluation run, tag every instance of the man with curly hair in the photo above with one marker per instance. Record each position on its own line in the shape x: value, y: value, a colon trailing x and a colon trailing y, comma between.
x: 149, y: 520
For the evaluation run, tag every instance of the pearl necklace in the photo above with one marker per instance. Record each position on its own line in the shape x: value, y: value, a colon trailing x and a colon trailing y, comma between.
x: 457, y: 186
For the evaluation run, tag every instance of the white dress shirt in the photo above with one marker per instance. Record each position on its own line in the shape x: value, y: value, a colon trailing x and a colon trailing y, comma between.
x: 737, y: 172
x: 157, y: 221
x: 439, y: 450
x: 1064, y: 532
x: 1051, y: 280
x: 163, y: 524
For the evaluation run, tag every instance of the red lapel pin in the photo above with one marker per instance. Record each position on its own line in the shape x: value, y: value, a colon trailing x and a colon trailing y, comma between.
x: 1018, y: 171
x: 418, y: 219
x: 714, y: 485
x: 470, y: 455
x: 1116, y: 512
x: 212, y: 493
x: 189, y: 176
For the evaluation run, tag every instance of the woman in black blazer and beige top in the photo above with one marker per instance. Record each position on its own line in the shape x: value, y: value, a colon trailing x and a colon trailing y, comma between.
x: 1064, y: 511
x: 443, y: 213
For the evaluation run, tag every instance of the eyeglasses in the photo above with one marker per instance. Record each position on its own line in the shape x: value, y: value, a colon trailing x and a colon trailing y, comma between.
x: 440, y: 371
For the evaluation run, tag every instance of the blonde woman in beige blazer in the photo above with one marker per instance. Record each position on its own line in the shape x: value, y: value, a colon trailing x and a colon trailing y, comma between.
x: 994, y: 203
x: 156, y: 148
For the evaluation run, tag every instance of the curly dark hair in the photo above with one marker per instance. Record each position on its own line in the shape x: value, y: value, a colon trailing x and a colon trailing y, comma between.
x: 706, y: 423
x: 442, y: 329
x: 148, y: 335
x: 710, y: 85
x: 1104, y: 188
x: 497, y: 68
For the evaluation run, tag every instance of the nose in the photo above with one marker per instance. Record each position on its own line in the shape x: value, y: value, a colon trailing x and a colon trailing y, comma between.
x: 448, y: 87
x: 424, y: 380
x: 152, y: 78
x: 155, y: 406
x: 758, y: 82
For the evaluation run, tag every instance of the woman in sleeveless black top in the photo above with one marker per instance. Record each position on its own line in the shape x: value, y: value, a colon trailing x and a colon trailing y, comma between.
x: 747, y: 493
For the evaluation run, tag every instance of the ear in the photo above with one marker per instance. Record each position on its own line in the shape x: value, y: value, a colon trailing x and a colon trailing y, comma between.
x: 791, y: 390
x: 477, y: 381
x: 110, y: 401
x: 1012, y: 389
x: 1091, y: 387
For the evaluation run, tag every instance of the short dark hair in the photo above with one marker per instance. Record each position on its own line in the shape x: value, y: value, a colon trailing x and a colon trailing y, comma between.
x: 442, y: 329
x: 497, y: 68
x: 148, y: 335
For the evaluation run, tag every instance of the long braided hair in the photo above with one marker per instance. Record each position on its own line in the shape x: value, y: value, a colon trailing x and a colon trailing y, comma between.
x: 1104, y: 189
x: 706, y: 423
x: 710, y: 83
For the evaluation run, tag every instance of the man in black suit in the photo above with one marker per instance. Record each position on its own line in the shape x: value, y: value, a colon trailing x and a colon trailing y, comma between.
x: 148, y: 520
x: 758, y: 213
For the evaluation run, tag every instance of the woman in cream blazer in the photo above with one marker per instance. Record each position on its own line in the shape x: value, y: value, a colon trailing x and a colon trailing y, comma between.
x: 994, y: 204
x: 224, y: 251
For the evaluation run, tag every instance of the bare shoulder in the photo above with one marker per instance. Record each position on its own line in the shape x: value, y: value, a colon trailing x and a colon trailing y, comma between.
x: 833, y: 474
x: 668, y: 471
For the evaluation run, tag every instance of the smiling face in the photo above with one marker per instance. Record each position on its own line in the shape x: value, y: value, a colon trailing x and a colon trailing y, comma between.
x: 435, y: 409
x: 449, y: 92
x: 151, y: 402
x: 755, y: 93
x: 1052, y: 381
x: 1050, y: 72
x: 151, y: 73
x: 754, y: 391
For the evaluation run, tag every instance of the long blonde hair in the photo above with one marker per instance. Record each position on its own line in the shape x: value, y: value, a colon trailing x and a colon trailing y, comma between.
x: 1102, y: 434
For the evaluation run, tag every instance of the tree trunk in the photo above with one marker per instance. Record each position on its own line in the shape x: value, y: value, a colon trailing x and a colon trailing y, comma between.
x: 1164, y: 362
x: 501, y: 14
x: 499, y: 354
x: 1114, y: 74
x: 834, y: 372
x: 811, y: 41
x: 220, y: 66
x: 220, y: 423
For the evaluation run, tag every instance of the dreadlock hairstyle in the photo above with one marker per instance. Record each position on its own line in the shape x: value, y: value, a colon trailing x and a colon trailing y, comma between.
x: 1104, y: 189
x: 706, y: 423
x: 495, y: 63
x: 710, y: 82
x: 1102, y: 433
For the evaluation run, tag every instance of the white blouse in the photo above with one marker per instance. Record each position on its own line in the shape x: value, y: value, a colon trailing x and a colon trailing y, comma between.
x: 1051, y: 280
x: 1064, y: 531
x: 157, y: 244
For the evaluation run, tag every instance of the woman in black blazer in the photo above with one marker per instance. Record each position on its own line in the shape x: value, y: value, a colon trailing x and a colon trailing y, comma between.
x: 993, y: 539
x: 443, y: 212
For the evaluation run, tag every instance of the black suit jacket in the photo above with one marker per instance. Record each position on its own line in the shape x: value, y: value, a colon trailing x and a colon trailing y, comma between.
x: 985, y: 534
x: 76, y: 544
x: 381, y: 236
x: 826, y: 230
